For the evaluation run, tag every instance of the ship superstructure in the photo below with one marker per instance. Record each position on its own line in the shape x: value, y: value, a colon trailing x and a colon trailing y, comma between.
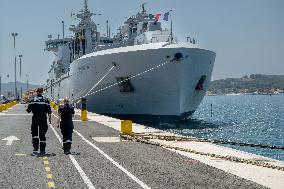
x: 141, y: 70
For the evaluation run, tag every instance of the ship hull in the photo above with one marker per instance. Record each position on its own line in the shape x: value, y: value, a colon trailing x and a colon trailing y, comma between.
x: 167, y: 91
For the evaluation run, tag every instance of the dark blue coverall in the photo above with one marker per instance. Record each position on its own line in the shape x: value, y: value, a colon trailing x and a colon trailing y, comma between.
x: 66, y: 126
x: 39, y: 106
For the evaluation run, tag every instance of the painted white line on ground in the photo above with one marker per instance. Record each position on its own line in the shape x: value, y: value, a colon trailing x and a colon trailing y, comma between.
x: 75, y: 163
x: 15, y: 114
x: 107, y: 139
x: 143, y: 185
x: 10, y: 140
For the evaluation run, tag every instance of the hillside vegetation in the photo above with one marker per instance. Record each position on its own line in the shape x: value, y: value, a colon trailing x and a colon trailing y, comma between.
x: 263, y: 84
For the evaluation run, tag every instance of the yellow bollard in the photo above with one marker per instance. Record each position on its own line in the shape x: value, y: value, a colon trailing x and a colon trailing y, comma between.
x: 84, y: 115
x: 52, y: 104
x: 56, y: 106
x: 84, y: 111
x: 4, y: 107
x: 126, y: 127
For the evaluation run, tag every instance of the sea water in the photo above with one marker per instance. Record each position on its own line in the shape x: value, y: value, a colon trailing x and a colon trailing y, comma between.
x: 255, y: 119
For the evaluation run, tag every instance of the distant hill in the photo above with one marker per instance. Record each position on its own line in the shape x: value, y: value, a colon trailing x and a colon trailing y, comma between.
x: 265, y: 84
x: 9, y: 88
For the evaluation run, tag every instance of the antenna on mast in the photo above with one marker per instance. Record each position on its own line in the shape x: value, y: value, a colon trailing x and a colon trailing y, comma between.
x: 143, y: 8
x: 86, y: 4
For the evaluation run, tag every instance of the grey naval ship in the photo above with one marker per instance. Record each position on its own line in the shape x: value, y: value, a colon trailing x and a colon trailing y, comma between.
x: 143, y: 70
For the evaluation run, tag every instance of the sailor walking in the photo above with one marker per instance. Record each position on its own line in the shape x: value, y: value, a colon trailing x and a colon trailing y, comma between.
x: 65, y: 114
x: 39, y: 106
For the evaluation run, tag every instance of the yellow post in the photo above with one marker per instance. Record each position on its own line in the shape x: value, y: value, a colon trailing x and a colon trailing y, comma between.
x: 52, y: 104
x: 84, y: 115
x: 56, y: 106
x: 126, y: 127
x: 4, y: 107
x: 84, y: 111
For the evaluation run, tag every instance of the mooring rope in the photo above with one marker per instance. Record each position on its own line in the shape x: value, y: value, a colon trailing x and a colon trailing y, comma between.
x: 96, y: 84
x: 131, y: 77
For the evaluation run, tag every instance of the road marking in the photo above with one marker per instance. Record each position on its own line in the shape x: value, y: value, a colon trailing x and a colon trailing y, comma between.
x: 4, y: 114
x: 10, y: 140
x: 75, y: 163
x: 106, y: 139
x: 49, y: 176
x: 51, y: 184
x: 45, y: 162
x: 20, y: 154
x: 76, y: 120
x: 143, y: 185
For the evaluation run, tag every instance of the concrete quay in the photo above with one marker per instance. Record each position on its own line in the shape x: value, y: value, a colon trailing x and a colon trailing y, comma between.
x: 100, y: 159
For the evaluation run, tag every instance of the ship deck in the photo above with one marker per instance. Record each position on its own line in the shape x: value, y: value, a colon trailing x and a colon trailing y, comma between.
x: 100, y: 159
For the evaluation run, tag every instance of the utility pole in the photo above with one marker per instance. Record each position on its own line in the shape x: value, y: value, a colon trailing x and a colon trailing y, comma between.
x: 0, y: 89
x: 171, y: 29
x: 171, y: 35
x: 20, y: 56
x: 14, y: 35
x: 63, y: 29
x: 107, y: 27
x: 109, y: 31
x: 27, y: 76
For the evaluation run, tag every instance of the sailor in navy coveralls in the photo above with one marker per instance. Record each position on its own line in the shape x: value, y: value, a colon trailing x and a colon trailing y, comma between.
x: 65, y: 114
x: 39, y: 106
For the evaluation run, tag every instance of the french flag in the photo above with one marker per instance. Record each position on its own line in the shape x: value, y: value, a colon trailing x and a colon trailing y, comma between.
x: 157, y: 17
x: 166, y: 16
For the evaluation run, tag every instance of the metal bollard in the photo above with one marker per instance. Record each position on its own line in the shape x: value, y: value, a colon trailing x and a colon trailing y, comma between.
x: 84, y: 112
x: 56, y: 106
x: 52, y: 104
x: 126, y: 127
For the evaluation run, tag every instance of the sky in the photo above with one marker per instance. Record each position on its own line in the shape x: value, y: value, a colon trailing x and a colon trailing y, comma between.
x: 247, y: 35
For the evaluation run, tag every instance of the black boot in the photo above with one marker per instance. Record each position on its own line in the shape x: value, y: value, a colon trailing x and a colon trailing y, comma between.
x: 68, y: 148
x: 64, y: 147
x: 35, y: 142
x: 42, y: 148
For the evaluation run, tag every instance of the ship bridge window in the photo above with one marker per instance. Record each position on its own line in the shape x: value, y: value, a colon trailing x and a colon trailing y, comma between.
x: 106, y: 41
x: 199, y: 86
x: 124, y: 84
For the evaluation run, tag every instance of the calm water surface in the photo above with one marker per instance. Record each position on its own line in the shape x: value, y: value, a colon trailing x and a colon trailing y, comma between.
x: 244, y: 118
